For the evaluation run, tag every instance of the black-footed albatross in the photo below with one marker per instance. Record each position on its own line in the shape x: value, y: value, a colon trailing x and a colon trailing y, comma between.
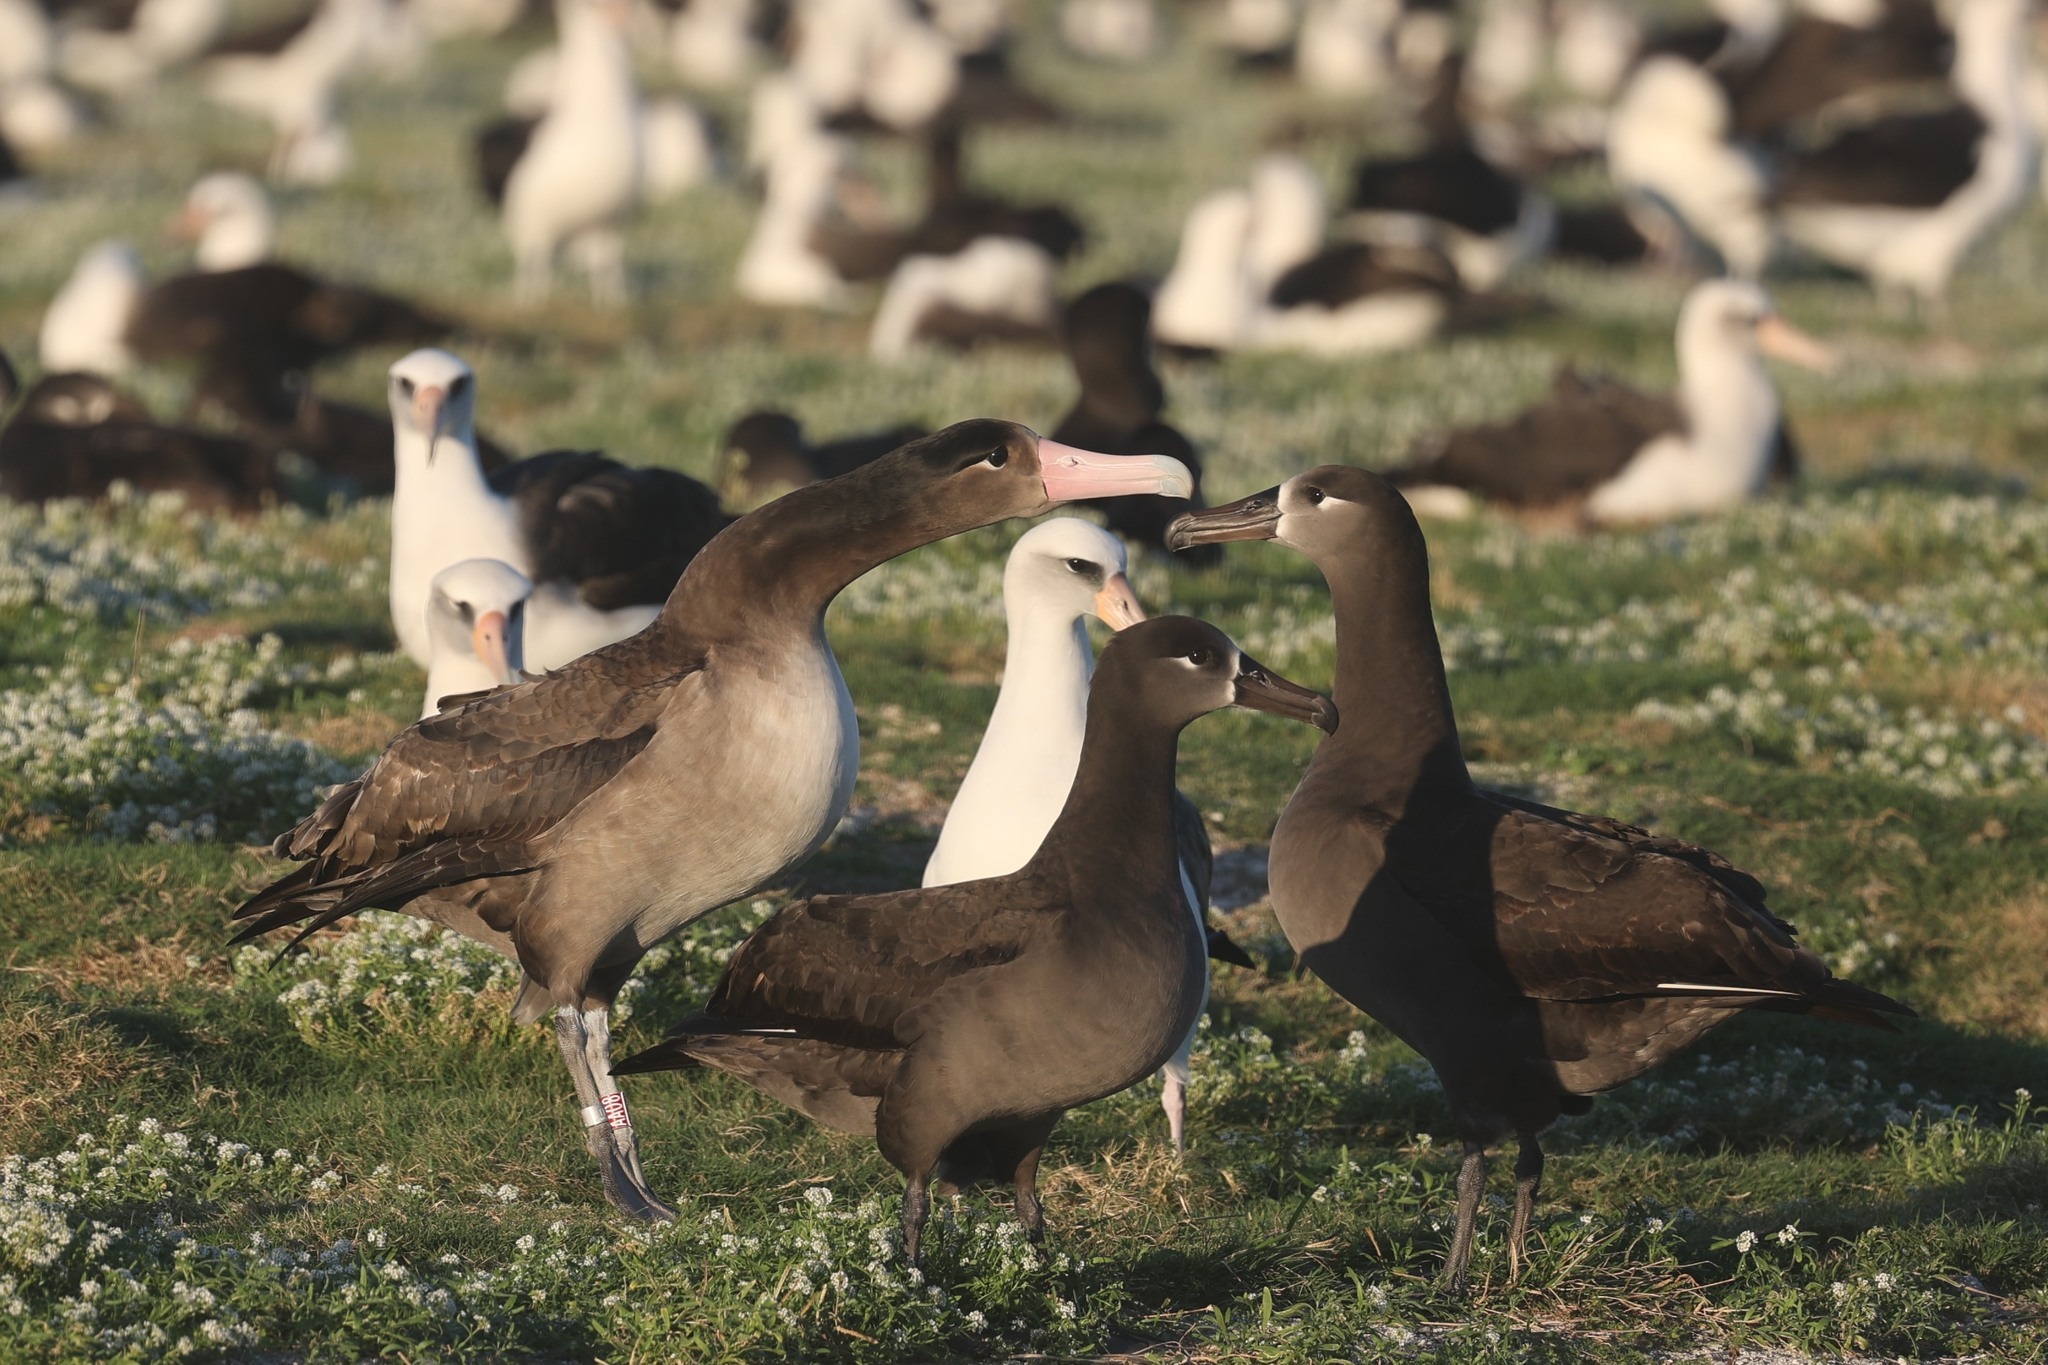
x: 1535, y: 956
x: 958, y: 1023
x: 578, y: 819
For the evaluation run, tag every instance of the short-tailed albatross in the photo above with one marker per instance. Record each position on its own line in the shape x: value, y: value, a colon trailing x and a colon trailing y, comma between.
x: 578, y: 819
x: 1535, y: 956
x: 958, y: 1023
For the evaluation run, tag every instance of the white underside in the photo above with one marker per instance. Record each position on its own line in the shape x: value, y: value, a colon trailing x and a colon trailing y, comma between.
x: 560, y: 626
x: 1381, y: 322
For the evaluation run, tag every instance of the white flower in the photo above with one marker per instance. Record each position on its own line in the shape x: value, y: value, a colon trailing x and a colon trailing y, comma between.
x: 1745, y: 1241
x: 1786, y: 1235
x: 525, y: 1243
x: 818, y: 1196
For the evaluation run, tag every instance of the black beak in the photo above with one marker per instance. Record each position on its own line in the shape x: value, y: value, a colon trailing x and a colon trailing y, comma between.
x: 1252, y: 518
x: 1223, y: 948
x: 1261, y: 689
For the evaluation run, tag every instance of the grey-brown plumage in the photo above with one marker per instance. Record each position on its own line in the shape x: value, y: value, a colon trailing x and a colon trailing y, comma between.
x: 578, y: 819
x: 1536, y: 957
x: 1558, y: 450
x: 958, y: 1023
x: 76, y: 435
x: 1914, y: 160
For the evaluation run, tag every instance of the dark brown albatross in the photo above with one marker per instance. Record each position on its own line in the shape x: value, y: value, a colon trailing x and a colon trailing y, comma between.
x: 577, y: 820
x: 958, y: 1023
x: 1534, y: 956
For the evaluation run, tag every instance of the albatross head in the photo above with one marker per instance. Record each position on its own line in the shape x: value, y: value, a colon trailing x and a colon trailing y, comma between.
x: 1177, y: 668
x: 1071, y: 568
x: 978, y: 472
x: 228, y: 214
x: 1736, y: 317
x: 433, y: 394
x: 476, y: 617
x: 1322, y: 513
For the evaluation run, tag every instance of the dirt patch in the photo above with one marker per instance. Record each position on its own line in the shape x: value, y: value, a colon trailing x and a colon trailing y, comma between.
x: 143, y: 968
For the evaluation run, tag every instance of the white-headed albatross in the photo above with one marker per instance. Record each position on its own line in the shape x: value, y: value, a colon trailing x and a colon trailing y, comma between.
x: 602, y: 542
x: 476, y: 624
x: 958, y: 1023
x: 578, y: 819
x: 1534, y: 956
x: 1059, y: 573
x: 1625, y: 455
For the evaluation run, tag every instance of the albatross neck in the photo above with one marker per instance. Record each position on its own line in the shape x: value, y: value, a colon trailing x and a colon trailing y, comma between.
x: 1124, y: 784
x: 781, y: 566
x: 1396, y: 733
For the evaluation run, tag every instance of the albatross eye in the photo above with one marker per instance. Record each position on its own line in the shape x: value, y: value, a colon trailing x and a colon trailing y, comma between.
x: 1201, y: 657
x: 1315, y: 496
x: 998, y: 457
x: 404, y: 384
x: 461, y: 383
x: 1079, y: 565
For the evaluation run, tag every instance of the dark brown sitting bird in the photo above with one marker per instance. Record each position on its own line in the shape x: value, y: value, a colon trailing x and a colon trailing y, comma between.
x: 764, y: 454
x: 958, y: 1023
x: 76, y: 435
x: 247, y: 328
x: 1108, y: 335
x: 349, y: 444
x: 1536, y: 957
x: 577, y: 820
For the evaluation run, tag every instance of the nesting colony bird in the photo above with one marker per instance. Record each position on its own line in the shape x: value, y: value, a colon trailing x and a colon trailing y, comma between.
x: 993, y: 289
x: 569, y: 179
x: 76, y: 435
x: 1620, y: 455
x: 1451, y: 197
x: 476, y: 627
x: 1125, y: 32
x: 576, y: 820
x: 228, y: 218
x: 1346, y: 297
x: 1121, y: 407
x: 244, y: 329
x: 764, y: 455
x: 287, y: 72
x: 1534, y: 956
x: 1059, y: 573
x: 1671, y: 151
x: 1903, y: 197
x: 602, y: 543
x: 957, y: 1024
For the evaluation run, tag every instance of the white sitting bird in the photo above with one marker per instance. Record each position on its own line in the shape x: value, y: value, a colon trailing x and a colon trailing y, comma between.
x: 476, y: 621
x: 602, y: 543
x: 1670, y: 150
x: 579, y: 173
x: 229, y: 216
x: 1059, y: 572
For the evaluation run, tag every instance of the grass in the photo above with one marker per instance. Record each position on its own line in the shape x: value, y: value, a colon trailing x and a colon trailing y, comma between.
x: 1840, y: 691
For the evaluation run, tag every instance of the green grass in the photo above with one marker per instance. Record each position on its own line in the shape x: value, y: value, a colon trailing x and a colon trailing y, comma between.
x: 1903, y: 584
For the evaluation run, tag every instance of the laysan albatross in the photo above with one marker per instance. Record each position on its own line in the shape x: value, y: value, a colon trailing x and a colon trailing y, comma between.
x: 1059, y: 573
x: 1536, y: 957
x: 602, y: 543
x: 1621, y: 455
x: 957, y: 1024
x: 576, y: 820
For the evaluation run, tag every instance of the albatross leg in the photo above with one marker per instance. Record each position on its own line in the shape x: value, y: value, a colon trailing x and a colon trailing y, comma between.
x: 624, y: 1193
x: 1173, y: 1094
x: 597, y: 1049
x: 1471, y: 1182
x: 1528, y: 1184
x: 916, y: 1208
x: 1029, y: 1211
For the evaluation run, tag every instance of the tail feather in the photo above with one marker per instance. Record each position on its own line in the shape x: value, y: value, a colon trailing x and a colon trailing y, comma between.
x: 672, y: 1052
